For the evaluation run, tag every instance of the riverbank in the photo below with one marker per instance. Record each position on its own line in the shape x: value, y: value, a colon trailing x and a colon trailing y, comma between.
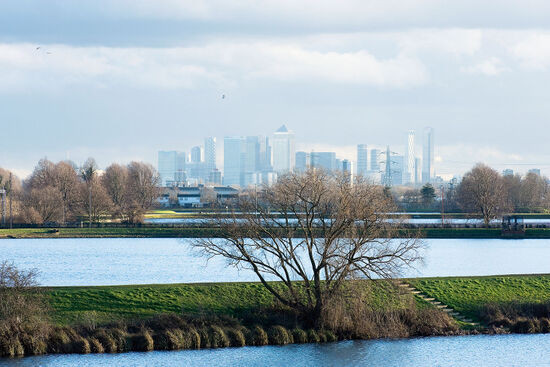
x: 152, y: 231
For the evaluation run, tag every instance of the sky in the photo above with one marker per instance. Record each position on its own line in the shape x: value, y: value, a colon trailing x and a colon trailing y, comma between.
x: 119, y: 80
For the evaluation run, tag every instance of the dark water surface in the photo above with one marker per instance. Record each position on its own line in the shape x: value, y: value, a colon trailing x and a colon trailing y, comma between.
x: 108, y: 261
x: 467, y: 351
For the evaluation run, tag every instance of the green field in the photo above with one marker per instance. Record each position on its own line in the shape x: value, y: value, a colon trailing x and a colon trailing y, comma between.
x: 468, y: 295
x: 465, y: 294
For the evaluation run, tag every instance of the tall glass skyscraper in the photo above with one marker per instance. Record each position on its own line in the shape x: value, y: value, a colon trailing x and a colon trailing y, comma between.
x: 233, y: 160
x: 409, y: 164
x: 362, y: 160
x: 283, y: 150
x: 428, y: 171
x: 171, y: 167
x: 210, y: 154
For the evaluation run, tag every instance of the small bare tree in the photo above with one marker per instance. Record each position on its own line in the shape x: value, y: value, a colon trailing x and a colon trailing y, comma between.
x: 482, y: 191
x: 88, y: 172
x: 313, y: 232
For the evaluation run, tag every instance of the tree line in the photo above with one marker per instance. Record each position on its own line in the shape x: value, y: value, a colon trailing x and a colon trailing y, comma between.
x: 63, y: 193
x: 483, y: 191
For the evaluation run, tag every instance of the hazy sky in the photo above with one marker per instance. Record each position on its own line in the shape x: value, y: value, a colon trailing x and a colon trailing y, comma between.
x: 119, y: 80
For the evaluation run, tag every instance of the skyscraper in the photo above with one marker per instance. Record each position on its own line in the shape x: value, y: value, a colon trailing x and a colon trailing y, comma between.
x: 252, y: 150
x: 408, y: 164
x: 196, y: 154
x: 362, y: 160
x: 375, y: 160
x: 210, y: 154
x: 233, y: 160
x: 347, y: 170
x: 428, y: 155
x: 283, y: 150
x: 171, y: 167
x: 324, y: 160
x: 302, y: 161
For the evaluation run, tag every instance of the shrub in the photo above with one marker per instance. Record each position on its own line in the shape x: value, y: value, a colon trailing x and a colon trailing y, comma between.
x: 194, y: 339
x: 218, y: 337
x: 142, y: 342
x: 204, y: 338
x: 175, y: 339
x: 119, y: 337
x: 236, y: 337
x: 312, y: 336
x: 330, y: 336
x: 33, y: 344
x: 525, y: 326
x: 106, y: 340
x: 81, y: 346
x: 95, y: 345
x: 278, y: 335
x: 322, y: 337
x: 299, y: 335
x: 11, y: 347
x: 59, y: 341
x: 259, y: 336
x: 544, y: 325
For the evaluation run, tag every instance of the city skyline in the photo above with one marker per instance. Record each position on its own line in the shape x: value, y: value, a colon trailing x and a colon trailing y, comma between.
x: 100, y: 85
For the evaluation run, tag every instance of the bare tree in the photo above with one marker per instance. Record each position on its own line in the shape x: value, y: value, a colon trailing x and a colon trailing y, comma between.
x: 88, y: 172
x: 142, y: 190
x: 512, y: 191
x: 482, y: 191
x: 533, y: 191
x: 101, y: 204
x: 115, y: 181
x: 65, y: 179
x: 312, y: 232
x: 45, y: 201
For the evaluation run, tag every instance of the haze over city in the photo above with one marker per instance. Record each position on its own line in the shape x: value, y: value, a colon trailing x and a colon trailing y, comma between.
x: 119, y: 83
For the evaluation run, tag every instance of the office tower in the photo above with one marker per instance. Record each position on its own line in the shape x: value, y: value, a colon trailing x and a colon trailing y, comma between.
x: 171, y: 167
x: 428, y: 155
x: 398, y: 167
x: 265, y: 154
x: 196, y: 154
x: 252, y: 150
x: 210, y: 154
x: 508, y: 172
x: 233, y: 160
x: 283, y: 150
x: 417, y: 171
x: 302, y: 161
x: 375, y: 160
x: 215, y: 177
x: 347, y: 170
x: 408, y: 169
x: 324, y: 160
x: 536, y: 171
x: 362, y: 160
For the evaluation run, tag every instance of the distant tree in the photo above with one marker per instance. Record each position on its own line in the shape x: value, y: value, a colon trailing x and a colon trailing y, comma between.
x: 142, y: 190
x: 65, y: 179
x: 101, y: 205
x: 533, y: 191
x: 45, y: 202
x: 428, y: 194
x: 512, y: 191
x: 88, y: 172
x: 115, y: 181
x: 481, y: 191
x: 42, y: 175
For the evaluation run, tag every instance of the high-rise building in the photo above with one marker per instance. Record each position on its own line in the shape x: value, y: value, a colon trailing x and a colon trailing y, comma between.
x: 508, y: 172
x: 210, y: 154
x: 252, y: 150
x: 283, y: 150
x: 362, y: 160
x: 347, y: 170
x: 265, y: 154
x: 375, y: 160
x: 324, y: 160
x: 536, y: 171
x: 196, y: 154
x: 233, y: 160
x: 417, y: 171
x: 302, y: 161
x: 171, y: 167
x: 408, y: 168
x: 428, y: 171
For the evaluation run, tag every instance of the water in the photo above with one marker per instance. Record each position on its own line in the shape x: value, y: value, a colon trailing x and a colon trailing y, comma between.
x: 467, y: 351
x: 108, y: 261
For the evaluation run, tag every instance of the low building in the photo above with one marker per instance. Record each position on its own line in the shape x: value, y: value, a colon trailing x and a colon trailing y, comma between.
x: 189, y: 197
x: 164, y: 200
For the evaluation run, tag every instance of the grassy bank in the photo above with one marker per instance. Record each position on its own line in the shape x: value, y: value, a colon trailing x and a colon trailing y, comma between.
x: 470, y: 295
x: 194, y: 232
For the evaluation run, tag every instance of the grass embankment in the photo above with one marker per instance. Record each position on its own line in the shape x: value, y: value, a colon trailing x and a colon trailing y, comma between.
x: 471, y: 295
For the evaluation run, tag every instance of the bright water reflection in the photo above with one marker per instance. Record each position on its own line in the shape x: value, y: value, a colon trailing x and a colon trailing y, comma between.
x: 480, y: 350
x: 169, y: 260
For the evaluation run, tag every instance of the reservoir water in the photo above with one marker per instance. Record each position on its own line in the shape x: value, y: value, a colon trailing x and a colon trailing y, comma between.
x: 459, y: 351
x: 108, y: 261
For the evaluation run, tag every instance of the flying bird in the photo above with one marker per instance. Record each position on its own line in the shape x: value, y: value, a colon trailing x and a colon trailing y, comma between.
x: 223, y: 96
x: 38, y: 48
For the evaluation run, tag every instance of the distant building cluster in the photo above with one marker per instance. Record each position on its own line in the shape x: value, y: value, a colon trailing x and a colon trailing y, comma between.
x: 258, y: 160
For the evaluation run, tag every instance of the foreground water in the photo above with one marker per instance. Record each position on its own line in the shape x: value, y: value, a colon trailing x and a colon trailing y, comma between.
x: 108, y: 261
x: 479, y: 350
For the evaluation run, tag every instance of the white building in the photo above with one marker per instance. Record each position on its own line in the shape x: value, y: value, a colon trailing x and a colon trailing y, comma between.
x: 210, y: 154
x: 189, y: 197
x: 283, y: 150
x: 409, y: 164
x: 428, y: 171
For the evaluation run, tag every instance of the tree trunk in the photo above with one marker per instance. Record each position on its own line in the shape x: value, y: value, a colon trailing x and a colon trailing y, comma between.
x: 90, y: 207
